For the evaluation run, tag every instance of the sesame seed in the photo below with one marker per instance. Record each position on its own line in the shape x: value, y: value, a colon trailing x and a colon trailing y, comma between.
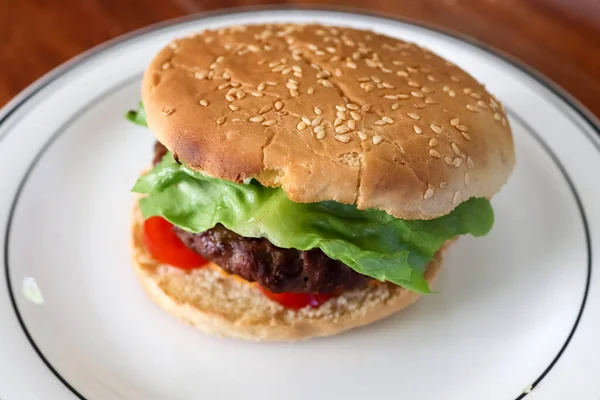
x: 204, y: 103
x: 388, y: 85
x: 448, y: 160
x: 454, y: 78
x: 278, y: 68
x: 455, y: 148
x: 342, y: 129
x: 271, y: 83
x: 472, y: 108
x: 166, y: 65
x: 240, y: 94
x: 417, y: 94
x: 428, y: 193
x: 470, y: 162
x: 391, y: 96
x: 219, y: 59
x: 233, y: 107
x: 446, y: 88
x: 457, y: 162
x: 200, y: 75
x: 265, y: 108
x: 316, y: 121
x: 403, y: 96
x: 431, y: 78
x: 443, y: 184
x: 417, y: 130
x: 255, y: 94
x: 351, y: 64
x: 461, y: 128
x: 257, y: 118
x: 452, y: 93
x: 320, y: 53
x: 504, y: 123
x: 236, y: 120
x: 310, y: 90
x: 454, y: 121
x: 223, y: 85
x: 269, y: 122
x: 291, y: 85
x: 341, y: 115
x: 261, y: 86
x: 286, y: 71
x: 337, y: 122
x: 482, y: 104
x: 294, y: 93
x: 340, y: 108
x: 355, y: 116
x: 306, y: 120
x: 343, y: 138
x: 168, y: 111
x: 476, y: 95
x: 361, y: 135
x: 395, y: 106
x: 337, y: 72
x: 351, y: 106
x: 380, y: 122
x: 377, y: 139
x: 402, y: 73
x: 497, y: 116
x: 426, y: 89
x: 227, y: 75
x: 317, y: 110
x: 466, y: 135
x: 456, y: 198
x: 414, y: 84
x: 436, y: 128
x: 467, y: 179
x: 433, y: 142
x: 220, y: 120
x: 364, y: 79
x: 301, y: 125
x: 429, y: 100
x: 467, y: 90
x: 387, y: 119
x: 320, y: 135
x: 435, y: 153
x: 318, y: 129
x: 369, y: 87
x: 326, y: 83
x: 365, y: 108
x: 352, y: 124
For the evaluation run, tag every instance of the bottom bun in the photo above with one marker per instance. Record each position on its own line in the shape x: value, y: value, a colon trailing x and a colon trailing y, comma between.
x: 226, y: 305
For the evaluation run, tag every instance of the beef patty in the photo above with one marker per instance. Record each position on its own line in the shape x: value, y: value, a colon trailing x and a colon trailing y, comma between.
x: 274, y: 268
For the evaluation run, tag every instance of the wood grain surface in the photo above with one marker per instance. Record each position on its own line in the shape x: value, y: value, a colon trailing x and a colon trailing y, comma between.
x: 560, y: 38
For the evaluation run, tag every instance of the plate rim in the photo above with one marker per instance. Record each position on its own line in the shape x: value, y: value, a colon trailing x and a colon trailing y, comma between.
x: 572, y: 104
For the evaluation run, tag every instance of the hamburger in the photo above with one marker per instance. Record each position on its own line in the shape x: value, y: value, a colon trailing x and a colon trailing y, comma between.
x: 306, y: 178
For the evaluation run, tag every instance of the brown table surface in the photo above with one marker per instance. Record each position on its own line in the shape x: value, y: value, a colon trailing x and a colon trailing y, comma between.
x: 560, y: 38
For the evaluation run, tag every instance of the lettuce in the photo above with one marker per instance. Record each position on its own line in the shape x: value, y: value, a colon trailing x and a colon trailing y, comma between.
x: 371, y: 242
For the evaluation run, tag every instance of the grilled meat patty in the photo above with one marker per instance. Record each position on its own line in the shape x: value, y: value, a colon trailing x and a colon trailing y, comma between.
x: 274, y: 268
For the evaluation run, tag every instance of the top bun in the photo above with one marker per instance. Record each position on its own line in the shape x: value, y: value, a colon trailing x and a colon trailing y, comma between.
x: 330, y: 114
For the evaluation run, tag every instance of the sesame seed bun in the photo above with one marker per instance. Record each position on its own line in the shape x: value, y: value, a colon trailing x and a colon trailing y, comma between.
x: 225, y: 305
x: 330, y: 114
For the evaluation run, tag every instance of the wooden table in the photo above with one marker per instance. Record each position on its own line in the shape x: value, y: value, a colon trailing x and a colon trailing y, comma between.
x: 560, y: 38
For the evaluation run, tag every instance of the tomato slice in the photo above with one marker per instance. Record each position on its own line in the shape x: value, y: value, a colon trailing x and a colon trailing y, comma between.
x: 166, y: 247
x: 296, y: 301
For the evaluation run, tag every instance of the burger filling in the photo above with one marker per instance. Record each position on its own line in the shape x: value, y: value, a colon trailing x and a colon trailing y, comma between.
x: 259, y: 234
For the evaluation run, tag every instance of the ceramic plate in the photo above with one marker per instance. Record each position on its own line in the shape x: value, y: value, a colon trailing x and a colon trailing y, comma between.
x: 517, y: 313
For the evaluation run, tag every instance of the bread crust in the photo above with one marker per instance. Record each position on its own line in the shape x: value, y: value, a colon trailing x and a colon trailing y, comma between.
x: 254, y: 101
x: 225, y: 305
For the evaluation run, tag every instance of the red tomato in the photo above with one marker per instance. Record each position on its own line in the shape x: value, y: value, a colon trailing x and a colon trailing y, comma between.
x: 296, y: 301
x: 166, y: 247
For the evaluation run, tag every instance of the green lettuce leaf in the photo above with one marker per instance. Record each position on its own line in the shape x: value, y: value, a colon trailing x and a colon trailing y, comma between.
x: 137, y: 116
x: 371, y: 242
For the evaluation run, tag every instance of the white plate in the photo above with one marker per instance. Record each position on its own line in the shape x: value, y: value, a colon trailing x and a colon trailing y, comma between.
x: 517, y: 309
